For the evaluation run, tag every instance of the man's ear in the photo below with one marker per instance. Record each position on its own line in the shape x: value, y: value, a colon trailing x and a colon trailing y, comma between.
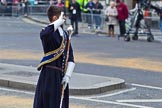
x: 54, y: 18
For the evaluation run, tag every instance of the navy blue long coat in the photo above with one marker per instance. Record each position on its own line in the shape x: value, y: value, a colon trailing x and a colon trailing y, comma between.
x: 49, y: 87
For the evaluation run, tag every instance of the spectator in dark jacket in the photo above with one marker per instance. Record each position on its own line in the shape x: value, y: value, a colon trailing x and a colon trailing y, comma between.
x: 122, y: 16
x: 74, y: 10
x: 3, y: 6
x: 97, y: 14
x: 90, y: 7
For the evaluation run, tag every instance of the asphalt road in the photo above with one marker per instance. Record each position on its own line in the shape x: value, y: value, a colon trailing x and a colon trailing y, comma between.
x: 139, y: 63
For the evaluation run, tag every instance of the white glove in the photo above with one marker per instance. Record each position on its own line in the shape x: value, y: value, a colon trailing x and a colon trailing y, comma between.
x: 70, y: 31
x: 65, y: 81
x: 70, y: 28
x: 59, y: 21
x: 69, y: 71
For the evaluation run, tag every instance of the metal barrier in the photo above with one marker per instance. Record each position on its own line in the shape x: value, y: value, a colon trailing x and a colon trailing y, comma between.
x: 93, y: 21
x: 11, y: 10
x: 19, y: 9
x: 37, y: 10
x: 5, y: 10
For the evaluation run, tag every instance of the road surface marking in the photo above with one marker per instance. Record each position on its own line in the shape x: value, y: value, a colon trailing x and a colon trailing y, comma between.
x: 111, y: 102
x: 16, y: 91
x: 141, y: 100
x: 146, y: 86
x: 111, y: 94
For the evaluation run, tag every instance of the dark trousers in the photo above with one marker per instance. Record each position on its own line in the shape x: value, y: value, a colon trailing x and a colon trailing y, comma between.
x: 75, y: 22
x: 122, y: 27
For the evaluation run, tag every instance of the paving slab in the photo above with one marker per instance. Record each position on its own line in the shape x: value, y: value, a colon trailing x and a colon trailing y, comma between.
x: 25, y: 78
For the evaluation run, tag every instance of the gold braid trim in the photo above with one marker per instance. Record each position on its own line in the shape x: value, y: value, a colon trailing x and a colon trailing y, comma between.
x: 54, y: 51
x: 62, y: 47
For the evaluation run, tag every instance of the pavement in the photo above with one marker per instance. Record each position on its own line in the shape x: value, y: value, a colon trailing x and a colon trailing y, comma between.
x: 25, y: 78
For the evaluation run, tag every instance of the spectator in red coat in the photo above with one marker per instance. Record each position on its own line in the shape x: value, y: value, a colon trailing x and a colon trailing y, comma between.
x: 122, y: 10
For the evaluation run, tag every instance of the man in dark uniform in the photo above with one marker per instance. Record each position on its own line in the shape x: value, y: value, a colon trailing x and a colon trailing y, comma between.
x: 57, y: 64
x: 74, y: 10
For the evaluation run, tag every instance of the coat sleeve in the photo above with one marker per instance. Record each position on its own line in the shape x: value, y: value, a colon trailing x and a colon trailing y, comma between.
x: 125, y: 12
x: 100, y: 6
x: 78, y: 7
x: 69, y: 8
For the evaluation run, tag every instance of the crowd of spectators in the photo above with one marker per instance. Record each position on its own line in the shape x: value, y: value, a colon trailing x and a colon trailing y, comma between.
x: 93, y: 10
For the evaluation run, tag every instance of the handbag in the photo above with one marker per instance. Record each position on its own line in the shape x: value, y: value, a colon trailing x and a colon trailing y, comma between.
x: 106, y: 18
